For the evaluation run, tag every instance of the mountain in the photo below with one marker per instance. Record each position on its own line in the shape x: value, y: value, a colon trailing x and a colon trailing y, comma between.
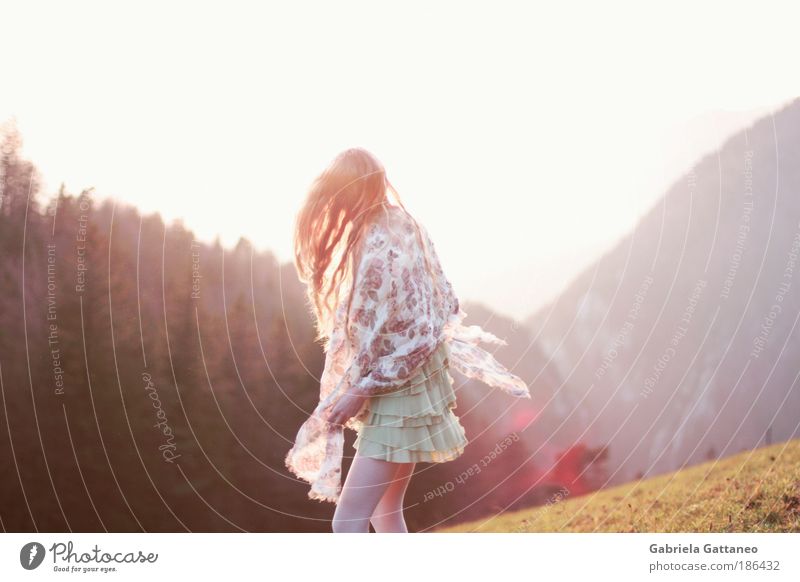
x: 681, y: 343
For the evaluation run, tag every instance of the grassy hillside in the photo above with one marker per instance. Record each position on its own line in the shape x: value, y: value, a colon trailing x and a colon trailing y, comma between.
x: 753, y: 491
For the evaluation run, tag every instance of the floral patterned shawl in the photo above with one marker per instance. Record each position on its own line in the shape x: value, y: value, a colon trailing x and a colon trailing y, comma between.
x: 397, y: 320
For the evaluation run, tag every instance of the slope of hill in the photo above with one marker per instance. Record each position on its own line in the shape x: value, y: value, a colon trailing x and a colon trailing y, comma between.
x: 754, y: 491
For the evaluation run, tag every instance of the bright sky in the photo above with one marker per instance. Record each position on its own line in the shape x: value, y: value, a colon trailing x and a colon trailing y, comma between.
x: 527, y: 138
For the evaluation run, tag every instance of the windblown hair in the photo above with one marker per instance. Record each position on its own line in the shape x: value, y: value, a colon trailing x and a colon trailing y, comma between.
x: 341, y: 203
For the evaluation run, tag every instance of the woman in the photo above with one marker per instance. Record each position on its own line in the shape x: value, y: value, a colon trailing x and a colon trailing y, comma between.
x: 391, y: 327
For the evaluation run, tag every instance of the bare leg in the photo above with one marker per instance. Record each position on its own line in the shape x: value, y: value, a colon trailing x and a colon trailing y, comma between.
x: 367, y: 481
x: 388, y: 515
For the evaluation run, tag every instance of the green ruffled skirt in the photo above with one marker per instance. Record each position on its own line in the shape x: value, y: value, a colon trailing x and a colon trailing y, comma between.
x: 416, y: 423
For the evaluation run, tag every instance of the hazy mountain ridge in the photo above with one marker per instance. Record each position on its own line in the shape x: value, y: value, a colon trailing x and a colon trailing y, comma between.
x: 704, y: 243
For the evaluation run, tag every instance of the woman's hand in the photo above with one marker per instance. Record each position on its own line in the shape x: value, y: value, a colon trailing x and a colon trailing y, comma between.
x: 345, y: 408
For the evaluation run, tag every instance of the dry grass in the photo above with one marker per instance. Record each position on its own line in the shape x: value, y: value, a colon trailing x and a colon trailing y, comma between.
x: 753, y: 491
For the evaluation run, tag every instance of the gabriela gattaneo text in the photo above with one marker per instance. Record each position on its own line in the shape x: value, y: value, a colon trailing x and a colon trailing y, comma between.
x: 706, y: 549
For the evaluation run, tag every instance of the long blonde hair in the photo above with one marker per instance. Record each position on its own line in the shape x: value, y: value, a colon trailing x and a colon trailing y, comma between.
x: 342, y: 201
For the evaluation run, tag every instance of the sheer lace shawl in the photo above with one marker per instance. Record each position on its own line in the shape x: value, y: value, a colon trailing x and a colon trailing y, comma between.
x: 397, y: 320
